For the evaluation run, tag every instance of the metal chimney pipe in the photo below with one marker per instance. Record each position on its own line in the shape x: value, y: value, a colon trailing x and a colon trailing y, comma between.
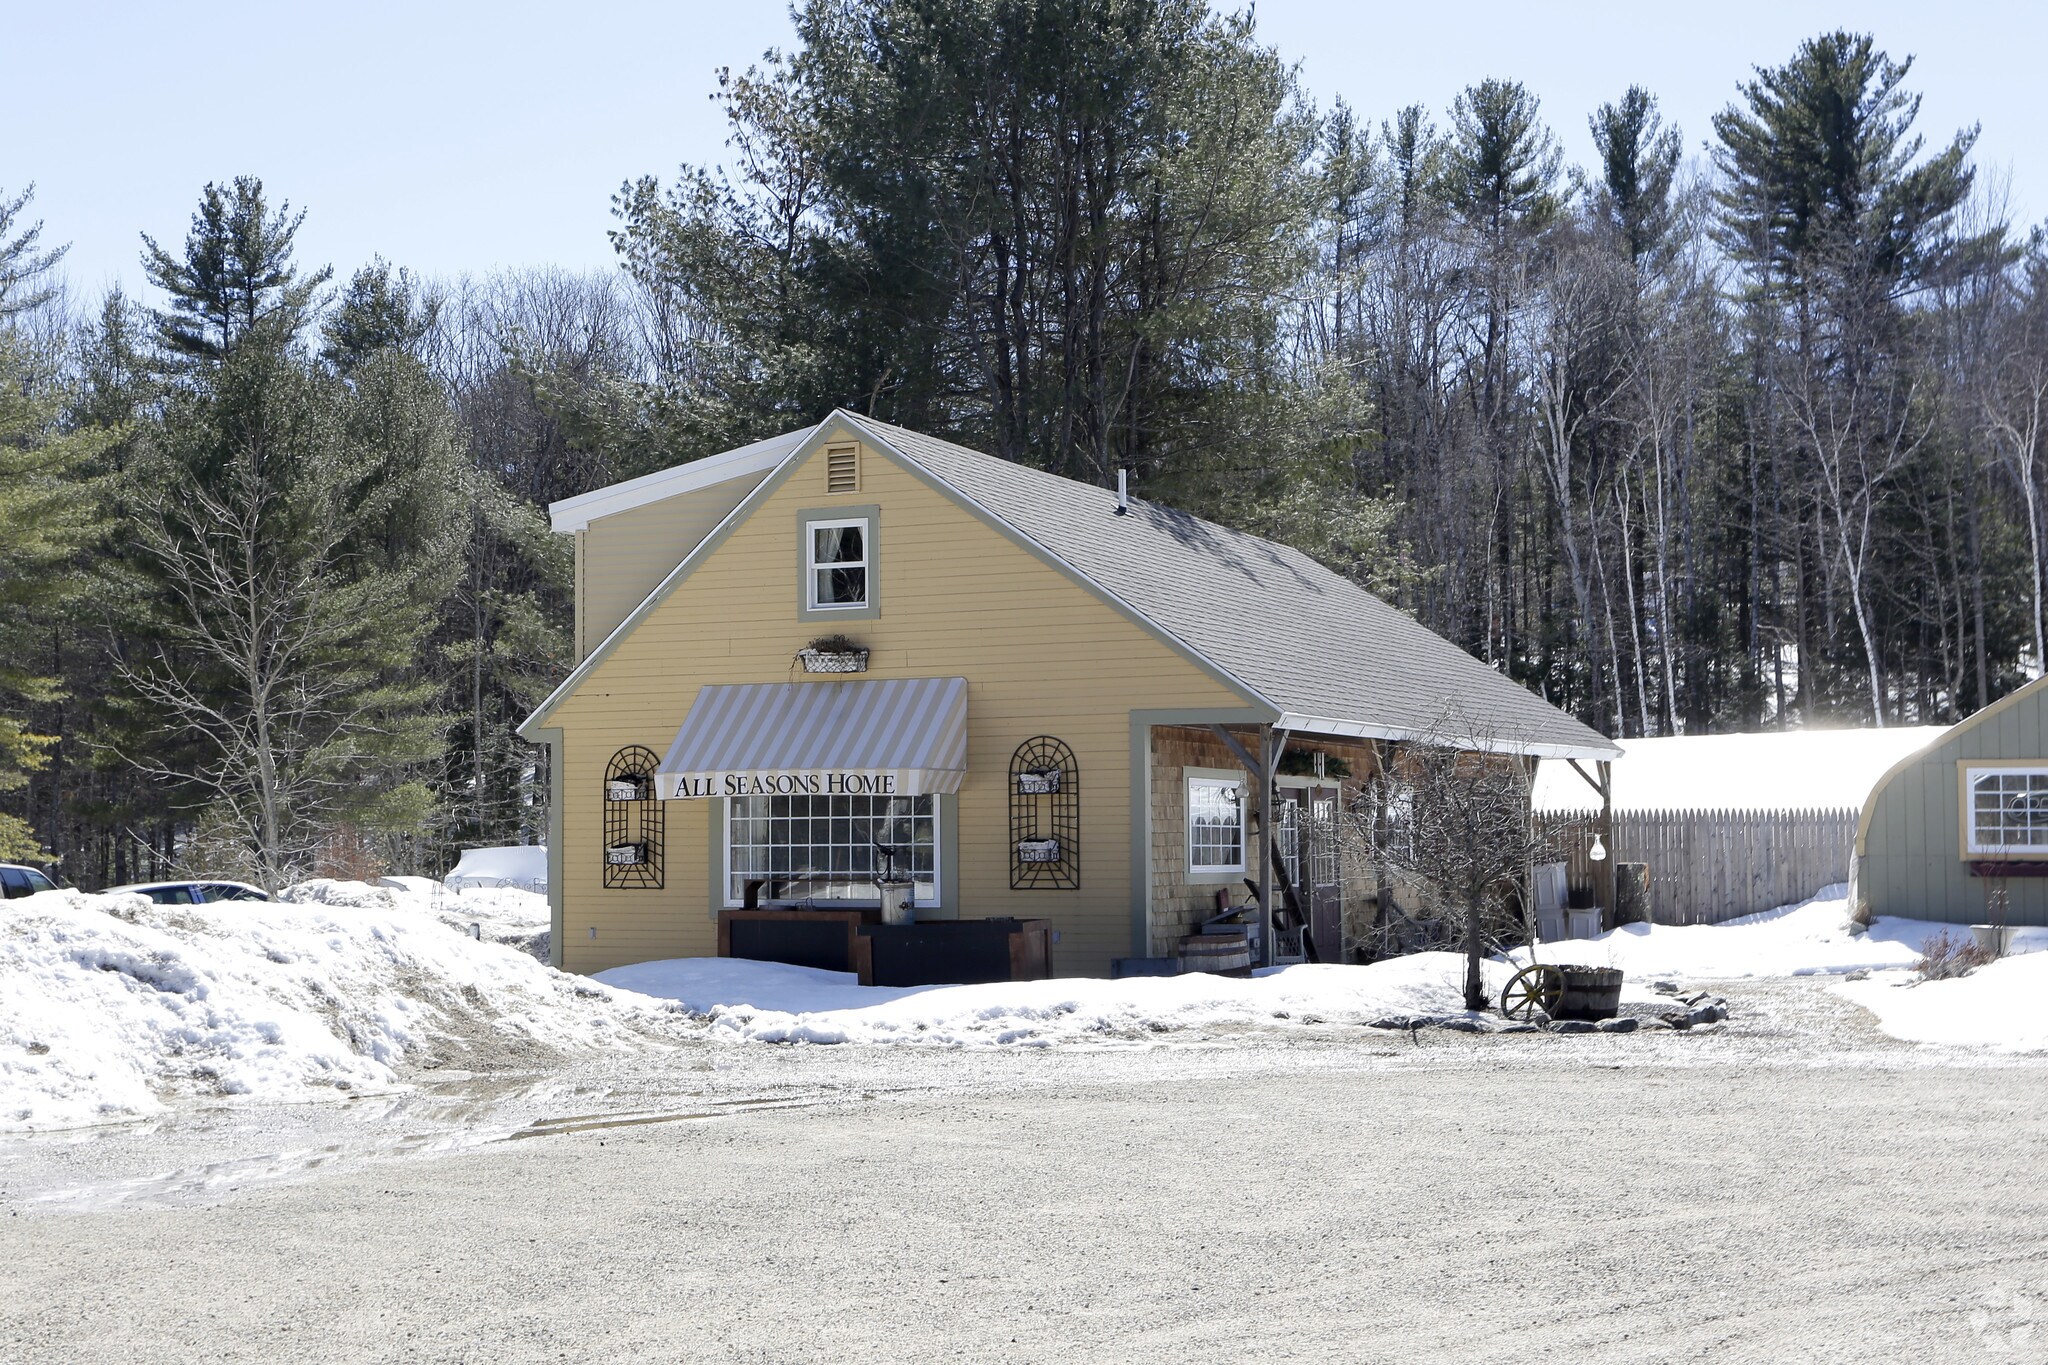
x: 1123, y: 492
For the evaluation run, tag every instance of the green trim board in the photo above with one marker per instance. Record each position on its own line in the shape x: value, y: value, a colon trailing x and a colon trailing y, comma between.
x: 948, y: 808
x: 1140, y: 853
x: 557, y: 792
x: 714, y: 857
x: 871, y: 513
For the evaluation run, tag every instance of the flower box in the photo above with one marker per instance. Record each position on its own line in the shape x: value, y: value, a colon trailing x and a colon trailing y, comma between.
x: 626, y: 855
x: 834, y: 661
x: 1038, y: 850
x: 625, y: 789
x: 1038, y: 782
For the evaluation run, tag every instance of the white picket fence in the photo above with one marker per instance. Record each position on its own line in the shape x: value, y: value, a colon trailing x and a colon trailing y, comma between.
x: 1707, y: 866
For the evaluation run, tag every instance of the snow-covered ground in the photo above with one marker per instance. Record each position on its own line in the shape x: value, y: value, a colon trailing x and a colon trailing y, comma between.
x: 1808, y: 939
x: 524, y: 866
x: 1776, y: 770
x: 109, y: 1005
x: 769, y: 1002
x: 2002, y: 1005
x: 1996, y: 1006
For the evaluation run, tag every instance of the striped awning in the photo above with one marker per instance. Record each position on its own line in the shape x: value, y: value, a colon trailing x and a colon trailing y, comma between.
x: 896, y: 737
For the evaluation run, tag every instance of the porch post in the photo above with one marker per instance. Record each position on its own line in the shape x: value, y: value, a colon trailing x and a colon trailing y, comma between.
x: 1605, y: 768
x: 1268, y: 760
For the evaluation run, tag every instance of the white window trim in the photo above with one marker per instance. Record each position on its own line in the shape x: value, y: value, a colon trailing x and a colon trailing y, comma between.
x: 1214, y: 777
x: 866, y: 563
x: 1971, y: 844
x: 937, y: 902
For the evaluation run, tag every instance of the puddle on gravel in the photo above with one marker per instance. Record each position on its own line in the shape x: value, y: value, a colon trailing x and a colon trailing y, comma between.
x: 438, y: 1119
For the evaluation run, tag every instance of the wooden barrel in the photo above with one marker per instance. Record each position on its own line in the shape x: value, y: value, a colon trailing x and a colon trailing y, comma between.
x: 1225, y: 952
x: 1589, y: 993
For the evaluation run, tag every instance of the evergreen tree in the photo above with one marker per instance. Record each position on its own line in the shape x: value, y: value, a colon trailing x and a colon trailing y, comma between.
x: 235, y: 276
x: 382, y: 309
x: 1638, y: 163
x: 25, y: 264
x: 298, y: 533
x: 48, y: 515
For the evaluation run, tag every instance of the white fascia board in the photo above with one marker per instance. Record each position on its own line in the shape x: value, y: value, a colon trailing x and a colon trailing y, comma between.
x: 793, y: 453
x: 575, y: 514
x: 1324, y: 725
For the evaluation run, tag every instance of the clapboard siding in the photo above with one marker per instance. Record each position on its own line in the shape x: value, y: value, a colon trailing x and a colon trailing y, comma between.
x: 1709, y: 866
x: 1909, y: 853
x: 621, y: 558
x: 1041, y: 653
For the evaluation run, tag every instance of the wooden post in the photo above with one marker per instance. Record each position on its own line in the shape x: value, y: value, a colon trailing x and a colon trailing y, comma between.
x: 1268, y: 760
x: 1605, y: 767
x: 1529, y: 863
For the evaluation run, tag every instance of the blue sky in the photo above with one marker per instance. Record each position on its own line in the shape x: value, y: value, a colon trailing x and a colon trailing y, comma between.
x: 463, y: 136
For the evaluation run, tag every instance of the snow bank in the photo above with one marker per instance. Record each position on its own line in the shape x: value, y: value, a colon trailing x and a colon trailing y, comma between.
x: 521, y: 865
x: 1997, y: 1006
x: 109, y: 1004
x: 770, y: 1002
x: 1807, y: 939
x: 499, y: 914
x: 1778, y: 770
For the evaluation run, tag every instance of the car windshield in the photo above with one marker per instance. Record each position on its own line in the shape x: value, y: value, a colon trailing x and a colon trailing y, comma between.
x: 37, y: 881
x: 223, y: 891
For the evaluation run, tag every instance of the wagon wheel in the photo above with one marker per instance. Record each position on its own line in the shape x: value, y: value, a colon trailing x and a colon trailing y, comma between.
x: 1540, y: 987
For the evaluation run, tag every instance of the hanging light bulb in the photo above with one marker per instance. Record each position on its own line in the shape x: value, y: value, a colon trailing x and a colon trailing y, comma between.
x: 1598, y: 853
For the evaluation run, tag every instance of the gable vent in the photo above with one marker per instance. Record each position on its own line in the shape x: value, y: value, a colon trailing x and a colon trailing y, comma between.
x: 842, y: 469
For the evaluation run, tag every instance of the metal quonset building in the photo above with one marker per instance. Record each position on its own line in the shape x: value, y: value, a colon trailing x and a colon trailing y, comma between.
x: 1958, y: 831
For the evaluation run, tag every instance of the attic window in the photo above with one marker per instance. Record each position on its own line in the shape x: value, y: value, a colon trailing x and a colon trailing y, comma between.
x: 842, y: 469
x: 836, y: 565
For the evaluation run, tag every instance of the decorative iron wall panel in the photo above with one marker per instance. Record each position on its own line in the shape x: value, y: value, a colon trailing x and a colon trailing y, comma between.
x: 632, y: 828
x: 1045, y: 817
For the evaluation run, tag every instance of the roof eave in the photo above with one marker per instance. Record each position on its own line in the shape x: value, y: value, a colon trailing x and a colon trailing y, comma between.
x: 761, y: 457
x: 1603, y: 751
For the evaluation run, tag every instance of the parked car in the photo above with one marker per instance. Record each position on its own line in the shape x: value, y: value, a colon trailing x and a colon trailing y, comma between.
x: 192, y: 893
x: 17, y: 881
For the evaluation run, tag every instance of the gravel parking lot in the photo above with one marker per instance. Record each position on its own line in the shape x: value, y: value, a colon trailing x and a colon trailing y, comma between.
x: 1791, y: 1188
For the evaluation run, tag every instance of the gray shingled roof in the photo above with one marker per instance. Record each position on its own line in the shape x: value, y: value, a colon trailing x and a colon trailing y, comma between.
x: 1319, y: 648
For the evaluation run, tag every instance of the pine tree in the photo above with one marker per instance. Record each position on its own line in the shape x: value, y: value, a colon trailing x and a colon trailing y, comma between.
x: 234, y: 277
x: 1638, y: 163
x: 382, y: 309
x: 48, y: 513
x: 298, y: 531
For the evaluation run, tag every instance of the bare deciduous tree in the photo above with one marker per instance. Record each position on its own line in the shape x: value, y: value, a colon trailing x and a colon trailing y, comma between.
x: 1452, y: 818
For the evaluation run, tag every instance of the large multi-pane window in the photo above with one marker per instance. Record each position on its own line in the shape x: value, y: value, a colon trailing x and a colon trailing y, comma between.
x: 2008, y: 810
x: 1215, y: 825
x: 826, y: 847
x: 837, y: 564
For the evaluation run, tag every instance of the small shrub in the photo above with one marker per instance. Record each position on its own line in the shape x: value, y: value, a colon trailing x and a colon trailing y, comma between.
x: 1947, y: 956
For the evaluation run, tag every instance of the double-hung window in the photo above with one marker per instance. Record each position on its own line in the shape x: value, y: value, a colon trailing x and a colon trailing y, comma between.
x: 2005, y: 810
x: 837, y: 564
x: 1215, y: 804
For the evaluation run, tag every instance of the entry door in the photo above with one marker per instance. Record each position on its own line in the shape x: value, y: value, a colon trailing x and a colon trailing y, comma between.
x: 1322, y: 873
x: 1305, y: 826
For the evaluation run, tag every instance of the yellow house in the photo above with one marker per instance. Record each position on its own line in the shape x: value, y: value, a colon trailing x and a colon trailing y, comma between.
x: 1054, y: 703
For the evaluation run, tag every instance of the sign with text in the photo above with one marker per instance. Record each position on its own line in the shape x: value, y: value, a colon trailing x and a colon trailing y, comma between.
x: 689, y: 786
